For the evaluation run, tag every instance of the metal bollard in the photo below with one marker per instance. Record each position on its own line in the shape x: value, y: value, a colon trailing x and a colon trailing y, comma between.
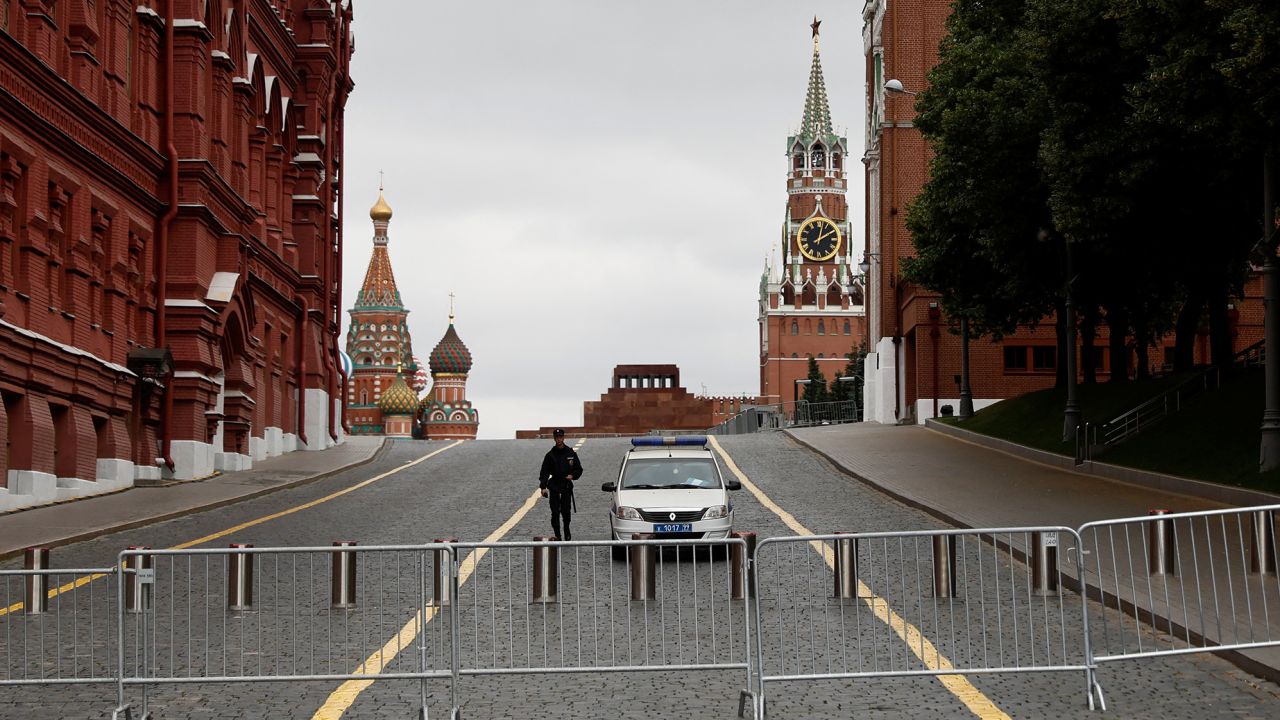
x: 944, y: 566
x: 644, y: 579
x: 546, y: 572
x: 846, y: 570
x: 1044, y: 562
x: 240, y: 577
x: 138, y: 581
x: 36, y: 599
x: 743, y: 566
x: 1262, y: 541
x: 441, y: 596
x: 1160, y: 546
x: 343, y: 574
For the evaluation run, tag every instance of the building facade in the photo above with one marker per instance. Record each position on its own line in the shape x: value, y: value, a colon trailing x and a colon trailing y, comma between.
x: 169, y: 237
x: 811, y: 305
x: 378, y: 339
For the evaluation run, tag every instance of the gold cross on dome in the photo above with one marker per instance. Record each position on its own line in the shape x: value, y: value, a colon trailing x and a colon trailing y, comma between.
x: 380, y: 178
x: 451, y: 296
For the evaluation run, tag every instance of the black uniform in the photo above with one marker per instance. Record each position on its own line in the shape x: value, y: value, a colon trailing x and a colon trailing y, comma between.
x: 558, y: 464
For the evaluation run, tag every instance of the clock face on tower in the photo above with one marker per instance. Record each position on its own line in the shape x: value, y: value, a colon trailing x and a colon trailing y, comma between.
x: 819, y: 239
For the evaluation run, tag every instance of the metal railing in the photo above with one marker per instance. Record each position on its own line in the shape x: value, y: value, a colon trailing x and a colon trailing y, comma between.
x: 805, y: 414
x: 885, y: 604
x: 1205, y: 581
x: 790, y: 609
x: 751, y: 420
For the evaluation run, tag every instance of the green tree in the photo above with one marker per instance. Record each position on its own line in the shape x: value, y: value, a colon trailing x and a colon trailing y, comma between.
x: 816, y: 390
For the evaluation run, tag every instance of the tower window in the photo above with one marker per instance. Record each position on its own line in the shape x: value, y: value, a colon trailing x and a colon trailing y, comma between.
x: 795, y: 328
x: 822, y: 327
x: 846, y: 327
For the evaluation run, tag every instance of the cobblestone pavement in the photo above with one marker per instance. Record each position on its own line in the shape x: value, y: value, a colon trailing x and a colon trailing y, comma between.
x: 470, y: 490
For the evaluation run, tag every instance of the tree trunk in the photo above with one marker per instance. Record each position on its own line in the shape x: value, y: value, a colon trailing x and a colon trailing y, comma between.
x: 1184, y: 338
x: 1220, y: 342
x: 1088, y: 333
x: 1142, y: 346
x: 1117, y: 330
x: 1060, y: 331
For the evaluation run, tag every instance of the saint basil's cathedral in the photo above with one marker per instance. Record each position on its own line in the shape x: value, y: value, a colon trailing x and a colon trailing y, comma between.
x: 384, y: 377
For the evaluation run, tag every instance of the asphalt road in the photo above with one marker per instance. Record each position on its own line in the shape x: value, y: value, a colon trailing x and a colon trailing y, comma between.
x: 476, y: 488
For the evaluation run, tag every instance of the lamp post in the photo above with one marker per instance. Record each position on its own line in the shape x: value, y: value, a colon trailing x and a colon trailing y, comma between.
x: 1071, y: 414
x: 851, y: 378
x: 966, y: 396
x: 1269, y: 455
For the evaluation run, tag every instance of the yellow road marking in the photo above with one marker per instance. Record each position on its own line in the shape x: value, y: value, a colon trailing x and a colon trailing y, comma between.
x: 342, y: 698
x: 86, y: 579
x: 921, y: 647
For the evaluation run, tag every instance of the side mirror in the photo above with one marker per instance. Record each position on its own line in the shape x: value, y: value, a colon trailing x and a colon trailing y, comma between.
x: 609, y: 486
x: 732, y: 485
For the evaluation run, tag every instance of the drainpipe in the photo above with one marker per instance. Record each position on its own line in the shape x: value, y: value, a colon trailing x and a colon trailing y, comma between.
x: 300, y: 362
x: 162, y: 232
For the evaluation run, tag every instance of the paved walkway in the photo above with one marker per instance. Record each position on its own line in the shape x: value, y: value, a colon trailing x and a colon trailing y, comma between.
x: 68, y: 522
x: 970, y: 485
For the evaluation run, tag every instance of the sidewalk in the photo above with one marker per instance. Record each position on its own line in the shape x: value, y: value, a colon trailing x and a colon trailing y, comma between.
x: 972, y: 486
x: 54, y: 525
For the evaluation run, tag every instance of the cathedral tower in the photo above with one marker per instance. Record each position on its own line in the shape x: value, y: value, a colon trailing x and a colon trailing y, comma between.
x: 378, y: 338
x: 446, y: 412
x: 811, y: 305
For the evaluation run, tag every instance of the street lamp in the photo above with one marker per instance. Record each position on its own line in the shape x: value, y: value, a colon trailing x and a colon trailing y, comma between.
x: 895, y: 86
x: 851, y: 378
x: 798, y: 384
x: 966, y: 395
x: 1071, y: 413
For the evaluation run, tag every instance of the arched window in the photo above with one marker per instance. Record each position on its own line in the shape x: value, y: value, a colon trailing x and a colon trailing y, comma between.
x: 846, y: 327
x: 364, y: 397
x: 795, y: 328
x: 793, y: 355
x: 821, y: 356
x: 822, y: 327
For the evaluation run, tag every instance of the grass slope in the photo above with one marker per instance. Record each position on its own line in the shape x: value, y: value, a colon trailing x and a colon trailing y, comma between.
x: 1214, y: 437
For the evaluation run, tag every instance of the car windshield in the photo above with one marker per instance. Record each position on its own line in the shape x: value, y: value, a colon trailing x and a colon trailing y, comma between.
x: 665, y: 473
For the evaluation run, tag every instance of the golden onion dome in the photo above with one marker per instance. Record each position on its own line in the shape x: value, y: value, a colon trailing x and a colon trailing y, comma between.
x: 380, y: 211
x: 399, y: 399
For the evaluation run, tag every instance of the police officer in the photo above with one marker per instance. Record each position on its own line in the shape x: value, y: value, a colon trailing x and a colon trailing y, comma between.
x: 560, y: 467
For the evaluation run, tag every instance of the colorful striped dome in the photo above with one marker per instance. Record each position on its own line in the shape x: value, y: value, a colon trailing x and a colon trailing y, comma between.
x: 450, y: 355
x: 398, y: 399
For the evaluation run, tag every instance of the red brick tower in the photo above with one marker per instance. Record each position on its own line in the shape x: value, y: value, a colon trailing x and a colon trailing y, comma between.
x: 446, y: 412
x: 378, y: 338
x: 812, y: 304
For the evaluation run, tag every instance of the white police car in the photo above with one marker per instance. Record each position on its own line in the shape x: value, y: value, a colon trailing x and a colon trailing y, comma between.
x: 670, y: 486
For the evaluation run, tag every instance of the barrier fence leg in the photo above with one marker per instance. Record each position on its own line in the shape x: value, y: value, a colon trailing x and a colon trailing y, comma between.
x: 742, y: 566
x: 455, y: 621
x: 441, y: 572
x: 422, y: 635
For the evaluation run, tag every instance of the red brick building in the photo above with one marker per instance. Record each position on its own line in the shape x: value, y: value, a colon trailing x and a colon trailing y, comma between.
x: 914, y: 357
x: 642, y: 398
x: 811, y: 306
x: 169, y: 237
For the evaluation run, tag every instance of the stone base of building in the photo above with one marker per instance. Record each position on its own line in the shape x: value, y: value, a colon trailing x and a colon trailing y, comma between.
x: 29, y: 488
x: 880, y: 370
x: 924, y: 407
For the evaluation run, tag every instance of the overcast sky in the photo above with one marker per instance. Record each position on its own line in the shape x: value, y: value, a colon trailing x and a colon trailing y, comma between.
x: 598, y: 182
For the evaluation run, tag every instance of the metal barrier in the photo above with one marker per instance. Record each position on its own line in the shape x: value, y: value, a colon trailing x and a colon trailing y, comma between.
x: 598, y: 621
x: 249, y: 614
x: 1204, y: 581
x: 57, y: 627
x: 948, y: 602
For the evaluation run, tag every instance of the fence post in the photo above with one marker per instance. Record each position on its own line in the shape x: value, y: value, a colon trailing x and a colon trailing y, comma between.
x: 846, y: 570
x: 546, y: 572
x: 743, y: 563
x: 137, y: 584
x: 644, y: 581
x: 239, y: 577
x: 1262, y: 541
x: 442, y: 572
x: 1044, y: 562
x: 343, y: 574
x: 1160, y: 546
x: 944, y: 566
x: 36, y: 599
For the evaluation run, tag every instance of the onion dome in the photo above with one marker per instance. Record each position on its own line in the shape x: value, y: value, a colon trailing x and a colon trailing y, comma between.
x: 380, y: 211
x: 450, y: 355
x: 421, y: 379
x: 398, y: 399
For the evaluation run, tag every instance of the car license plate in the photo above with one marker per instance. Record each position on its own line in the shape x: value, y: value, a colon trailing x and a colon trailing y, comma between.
x: 673, y: 527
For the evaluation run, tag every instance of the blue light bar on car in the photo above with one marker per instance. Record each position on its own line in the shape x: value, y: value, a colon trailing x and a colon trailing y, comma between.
x: 694, y: 440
